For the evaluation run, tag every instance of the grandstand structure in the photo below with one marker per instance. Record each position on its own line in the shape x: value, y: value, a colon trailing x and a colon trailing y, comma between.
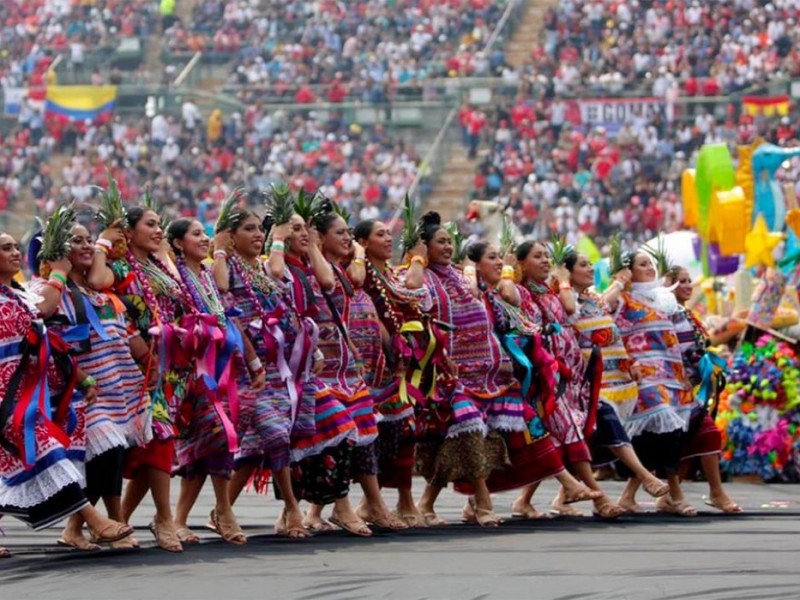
x: 521, y: 101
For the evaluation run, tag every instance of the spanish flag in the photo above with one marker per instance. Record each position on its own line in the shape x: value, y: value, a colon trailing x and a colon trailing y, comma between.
x: 769, y: 106
x: 80, y: 103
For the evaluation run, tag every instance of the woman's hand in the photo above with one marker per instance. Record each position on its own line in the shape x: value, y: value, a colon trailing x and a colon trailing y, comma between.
x: 561, y: 274
x: 281, y: 232
x: 358, y: 251
x: 510, y: 259
x: 319, y: 364
x: 62, y: 265
x: 90, y: 394
x: 624, y: 277
x: 223, y: 241
x: 113, y: 234
x: 419, y: 249
x: 258, y: 380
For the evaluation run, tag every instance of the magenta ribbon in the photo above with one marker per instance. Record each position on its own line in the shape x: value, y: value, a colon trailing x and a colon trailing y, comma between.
x: 202, y: 338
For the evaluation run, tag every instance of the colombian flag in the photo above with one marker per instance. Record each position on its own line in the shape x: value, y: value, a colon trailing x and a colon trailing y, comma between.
x: 80, y: 103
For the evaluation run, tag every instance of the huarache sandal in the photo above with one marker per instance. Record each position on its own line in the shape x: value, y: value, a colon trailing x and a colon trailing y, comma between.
x: 481, y: 516
x: 726, y: 505
x: 128, y: 543
x: 165, y: 537
x: 317, y: 525
x: 186, y: 536
x: 607, y: 510
x: 229, y: 531
x: 354, y: 527
x: 656, y: 488
x: 431, y: 519
x: 669, y: 506
x: 79, y: 543
x: 529, y: 513
x: 564, y: 510
x: 584, y: 495
x: 412, y: 519
x: 388, y: 521
x: 295, y: 532
x: 113, y: 532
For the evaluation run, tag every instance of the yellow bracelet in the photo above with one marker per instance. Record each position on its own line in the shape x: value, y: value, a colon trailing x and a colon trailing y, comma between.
x: 507, y: 272
x: 419, y: 259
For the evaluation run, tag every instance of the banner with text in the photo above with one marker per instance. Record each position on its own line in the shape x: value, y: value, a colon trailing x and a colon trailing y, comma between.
x: 613, y: 113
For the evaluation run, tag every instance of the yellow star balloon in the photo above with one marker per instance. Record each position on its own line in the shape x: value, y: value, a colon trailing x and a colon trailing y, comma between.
x: 759, y: 244
x: 793, y: 220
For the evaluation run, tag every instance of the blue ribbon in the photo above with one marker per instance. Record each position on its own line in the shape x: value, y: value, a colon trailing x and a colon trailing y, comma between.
x: 40, y: 392
x: 233, y: 342
x: 75, y: 334
x: 514, y: 345
x: 709, y: 365
x: 94, y: 320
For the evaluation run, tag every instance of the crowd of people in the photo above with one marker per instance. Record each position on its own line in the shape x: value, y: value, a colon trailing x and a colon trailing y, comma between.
x: 37, y: 30
x: 191, y: 162
x: 701, y: 48
x: 365, y: 45
x: 561, y: 178
x: 290, y: 350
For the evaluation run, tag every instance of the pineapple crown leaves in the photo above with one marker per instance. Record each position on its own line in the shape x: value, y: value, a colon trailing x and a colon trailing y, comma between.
x: 618, y: 259
x: 507, y: 241
x: 560, y: 250
x: 460, y: 242
x: 312, y: 206
x: 230, y: 214
x: 112, y: 211
x: 341, y: 211
x: 660, y: 255
x: 410, y: 235
x: 279, y: 203
x: 56, y: 234
x: 150, y: 203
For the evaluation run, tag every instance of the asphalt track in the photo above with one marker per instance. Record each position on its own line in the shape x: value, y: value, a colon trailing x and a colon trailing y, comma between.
x: 712, y: 557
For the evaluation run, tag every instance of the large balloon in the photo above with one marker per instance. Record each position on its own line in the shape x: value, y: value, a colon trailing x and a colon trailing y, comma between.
x: 767, y: 192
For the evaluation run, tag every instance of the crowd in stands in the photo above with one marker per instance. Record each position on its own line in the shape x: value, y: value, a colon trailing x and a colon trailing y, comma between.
x: 367, y: 47
x: 191, y: 163
x: 564, y: 179
x: 34, y: 32
x: 700, y: 47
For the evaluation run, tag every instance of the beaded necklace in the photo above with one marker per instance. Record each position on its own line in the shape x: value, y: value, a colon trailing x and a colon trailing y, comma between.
x: 385, y: 296
x: 253, y: 277
x: 203, y: 291
x: 144, y: 283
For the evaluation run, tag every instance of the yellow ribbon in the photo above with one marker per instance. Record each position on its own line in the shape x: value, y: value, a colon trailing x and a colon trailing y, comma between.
x: 416, y: 376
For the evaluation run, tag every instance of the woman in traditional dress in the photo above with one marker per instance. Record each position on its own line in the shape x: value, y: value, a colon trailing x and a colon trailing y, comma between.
x: 39, y: 483
x: 531, y: 451
x: 322, y: 463
x: 208, y: 427
x: 154, y: 301
x: 485, y: 402
x: 96, y: 325
x: 571, y: 416
x: 618, y: 392
x: 643, y: 315
x: 344, y: 367
x: 400, y: 299
x: 284, y: 411
x: 703, y: 440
